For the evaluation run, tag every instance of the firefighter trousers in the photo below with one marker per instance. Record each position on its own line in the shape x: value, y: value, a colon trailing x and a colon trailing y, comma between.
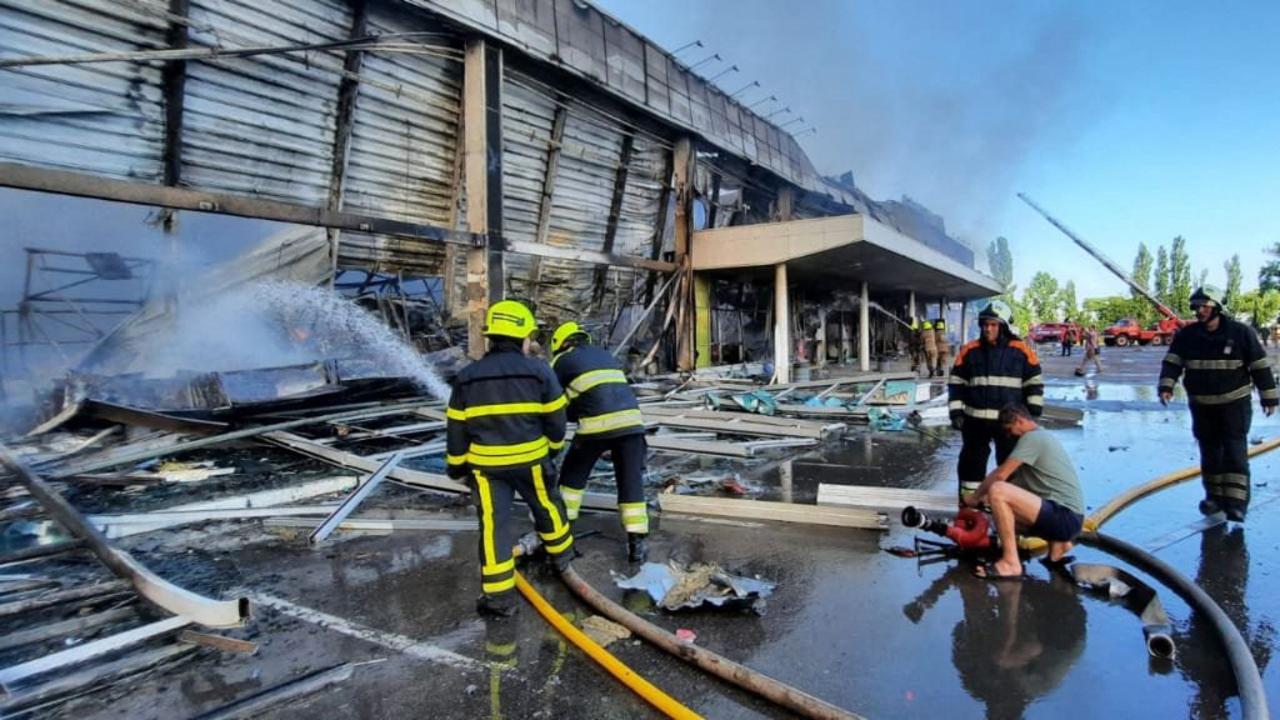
x: 977, y: 436
x: 628, y: 455
x: 1222, y: 432
x: 494, y: 492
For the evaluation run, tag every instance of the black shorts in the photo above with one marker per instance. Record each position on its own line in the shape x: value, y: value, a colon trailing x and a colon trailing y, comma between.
x: 1056, y: 523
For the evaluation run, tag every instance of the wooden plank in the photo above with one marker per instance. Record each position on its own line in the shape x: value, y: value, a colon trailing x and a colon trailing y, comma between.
x: 725, y: 449
x: 376, y: 524
x: 87, y: 651
x: 737, y: 427
x: 113, y: 587
x: 432, y: 481
x: 149, y: 451
x: 98, y: 675
x: 781, y: 512
x: 218, y: 642
x: 42, y: 633
x: 661, y: 411
x: 882, y: 498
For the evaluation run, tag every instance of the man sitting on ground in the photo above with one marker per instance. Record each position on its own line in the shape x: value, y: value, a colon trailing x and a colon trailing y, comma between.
x: 1035, y: 490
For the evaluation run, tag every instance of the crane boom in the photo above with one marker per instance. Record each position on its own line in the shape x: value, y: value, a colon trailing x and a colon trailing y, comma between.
x: 1106, y: 261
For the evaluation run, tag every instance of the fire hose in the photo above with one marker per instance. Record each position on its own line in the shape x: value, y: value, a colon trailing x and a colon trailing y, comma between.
x: 762, y: 685
x: 1253, y: 700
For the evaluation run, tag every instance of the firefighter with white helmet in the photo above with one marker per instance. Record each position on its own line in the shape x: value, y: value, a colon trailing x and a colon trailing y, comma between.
x: 1221, y: 362
x: 989, y: 373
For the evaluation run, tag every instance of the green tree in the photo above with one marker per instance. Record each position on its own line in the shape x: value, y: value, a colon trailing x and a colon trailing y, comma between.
x: 1105, y: 311
x: 1235, y: 276
x: 1258, y: 306
x: 1041, y: 297
x: 1180, y: 277
x: 1269, y: 274
x: 1161, y: 282
x: 1142, y: 276
x: 1068, y: 300
x: 1000, y: 259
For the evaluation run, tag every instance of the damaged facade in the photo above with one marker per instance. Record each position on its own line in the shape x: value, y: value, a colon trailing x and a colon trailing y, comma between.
x: 537, y: 150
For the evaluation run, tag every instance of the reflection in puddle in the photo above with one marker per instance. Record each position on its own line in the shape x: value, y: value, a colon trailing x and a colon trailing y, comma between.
x: 1015, y: 641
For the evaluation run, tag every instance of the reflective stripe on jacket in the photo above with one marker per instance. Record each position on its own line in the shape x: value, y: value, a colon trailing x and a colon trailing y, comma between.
x: 1218, y: 367
x: 506, y: 411
x: 985, y: 378
x: 600, y: 398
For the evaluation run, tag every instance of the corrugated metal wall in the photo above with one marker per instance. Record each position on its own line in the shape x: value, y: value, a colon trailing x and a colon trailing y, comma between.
x: 264, y: 125
x: 405, y: 140
x: 105, y: 119
x: 582, y: 191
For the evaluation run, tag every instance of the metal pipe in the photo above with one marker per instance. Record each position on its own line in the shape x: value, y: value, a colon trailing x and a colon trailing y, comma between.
x: 353, y: 500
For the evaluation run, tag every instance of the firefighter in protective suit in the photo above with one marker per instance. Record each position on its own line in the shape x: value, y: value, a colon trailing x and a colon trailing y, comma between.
x: 930, y: 345
x: 609, y: 420
x: 989, y: 373
x: 943, y: 345
x: 1220, y: 361
x: 915, y: 345
x: 506, y: 420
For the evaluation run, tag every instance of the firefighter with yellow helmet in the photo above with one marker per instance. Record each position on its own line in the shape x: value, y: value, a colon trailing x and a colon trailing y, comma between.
x: 609, y: 420
x: 506, y: 420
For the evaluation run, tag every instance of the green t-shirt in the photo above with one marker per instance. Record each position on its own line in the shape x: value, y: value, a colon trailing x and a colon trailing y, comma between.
x: 1046, y: 470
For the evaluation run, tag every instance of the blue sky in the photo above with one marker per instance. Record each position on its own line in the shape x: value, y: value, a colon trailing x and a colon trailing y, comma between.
x: 1132, y: 122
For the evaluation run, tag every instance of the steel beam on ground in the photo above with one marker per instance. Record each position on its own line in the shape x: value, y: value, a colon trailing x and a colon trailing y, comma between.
x: 324, y: 529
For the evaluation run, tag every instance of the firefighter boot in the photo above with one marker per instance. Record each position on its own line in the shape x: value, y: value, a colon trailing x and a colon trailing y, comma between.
x: 1209, y: 506
x: 637, y: 547
x: 564, y: 561
x: 503, y: 605
x: 1235, y: 510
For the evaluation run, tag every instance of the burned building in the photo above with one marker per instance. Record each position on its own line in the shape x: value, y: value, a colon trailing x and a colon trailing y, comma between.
x: 540, y: 150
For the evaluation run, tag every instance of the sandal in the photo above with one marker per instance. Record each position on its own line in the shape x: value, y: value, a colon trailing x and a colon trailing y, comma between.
x: 989, y: 573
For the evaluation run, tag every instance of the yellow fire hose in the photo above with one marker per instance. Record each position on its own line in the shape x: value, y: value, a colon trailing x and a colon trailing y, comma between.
x: 661, y: 701
x: 1134, y: 494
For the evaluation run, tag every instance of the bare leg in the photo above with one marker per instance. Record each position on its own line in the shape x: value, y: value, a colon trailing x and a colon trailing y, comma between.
x: 1059, y: 550
x: 1011, y: 506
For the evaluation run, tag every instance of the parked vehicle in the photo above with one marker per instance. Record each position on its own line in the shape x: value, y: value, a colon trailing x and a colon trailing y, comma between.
x: 1129, y: 332
x: 1052, y: 332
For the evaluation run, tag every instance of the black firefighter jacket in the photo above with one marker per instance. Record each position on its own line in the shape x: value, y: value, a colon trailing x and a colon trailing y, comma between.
x: 986, y: 377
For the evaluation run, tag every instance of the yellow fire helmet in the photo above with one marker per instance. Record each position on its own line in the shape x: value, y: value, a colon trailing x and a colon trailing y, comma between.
x: 563, y: 333
x: 509, y: 318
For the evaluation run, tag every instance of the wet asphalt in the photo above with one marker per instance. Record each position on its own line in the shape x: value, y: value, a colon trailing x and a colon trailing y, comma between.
x: 877, y: 634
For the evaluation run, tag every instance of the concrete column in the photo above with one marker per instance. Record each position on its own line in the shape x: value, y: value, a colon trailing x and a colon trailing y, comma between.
x: 911, y: 305
x: 846, y: 339
x: 864, y: 329
x: 964, y: 323
x: 822, y: 337
x: 781, y: 325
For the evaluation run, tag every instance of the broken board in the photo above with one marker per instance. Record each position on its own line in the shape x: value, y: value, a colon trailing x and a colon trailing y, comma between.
x: 883, y: 498
x: 777, y: 511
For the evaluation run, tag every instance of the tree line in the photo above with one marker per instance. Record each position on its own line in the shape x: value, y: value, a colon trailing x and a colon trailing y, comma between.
x: 1167, y: 275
